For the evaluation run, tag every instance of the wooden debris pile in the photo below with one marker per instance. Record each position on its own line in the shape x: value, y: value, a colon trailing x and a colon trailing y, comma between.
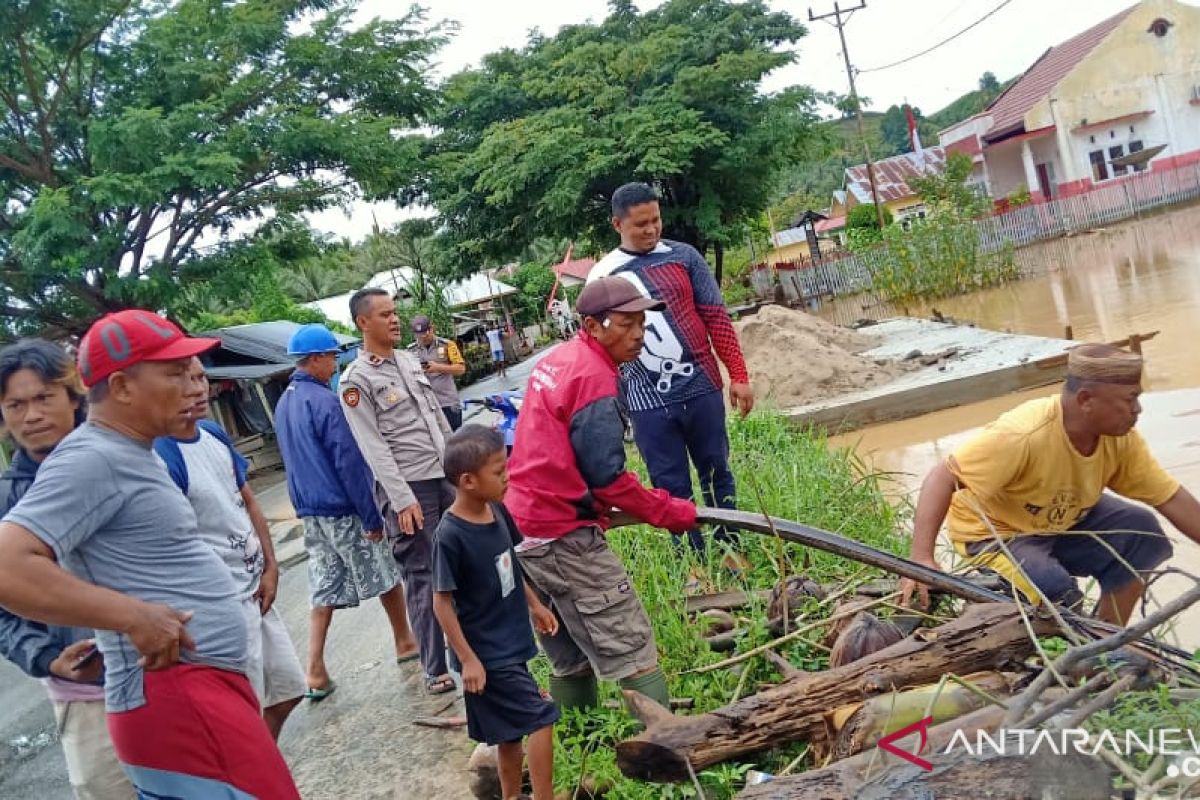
x: 916, y: 679
x: 975, y: 672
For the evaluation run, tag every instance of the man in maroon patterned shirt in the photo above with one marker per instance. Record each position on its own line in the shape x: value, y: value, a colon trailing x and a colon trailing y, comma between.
x: 673, y: 389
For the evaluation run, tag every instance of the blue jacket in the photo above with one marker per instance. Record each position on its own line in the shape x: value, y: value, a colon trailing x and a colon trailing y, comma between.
x: 28, y: 644
x: 326, y: 474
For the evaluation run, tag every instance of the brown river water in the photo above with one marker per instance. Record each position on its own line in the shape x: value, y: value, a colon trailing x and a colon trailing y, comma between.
x: 1136, y: 277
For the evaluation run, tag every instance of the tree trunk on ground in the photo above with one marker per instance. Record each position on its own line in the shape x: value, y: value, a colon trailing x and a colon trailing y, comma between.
x: 986, y: 636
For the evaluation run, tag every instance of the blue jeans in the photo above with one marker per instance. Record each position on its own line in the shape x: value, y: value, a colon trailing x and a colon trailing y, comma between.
x: 666, y: 437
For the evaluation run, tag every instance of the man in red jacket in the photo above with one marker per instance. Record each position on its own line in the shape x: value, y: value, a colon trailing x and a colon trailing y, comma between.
x: 567, y: 471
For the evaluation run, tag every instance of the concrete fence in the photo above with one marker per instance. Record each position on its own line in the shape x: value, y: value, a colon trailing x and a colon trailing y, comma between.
x: 1121, y: 199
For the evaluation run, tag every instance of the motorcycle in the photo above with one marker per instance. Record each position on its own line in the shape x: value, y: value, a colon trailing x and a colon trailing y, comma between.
x: 508, y: 405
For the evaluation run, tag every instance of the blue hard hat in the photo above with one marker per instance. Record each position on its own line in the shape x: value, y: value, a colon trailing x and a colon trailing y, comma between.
x: 312, y: 338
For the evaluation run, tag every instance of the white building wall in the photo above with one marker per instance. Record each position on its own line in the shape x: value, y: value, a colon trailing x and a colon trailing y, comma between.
x: 1005, y: 169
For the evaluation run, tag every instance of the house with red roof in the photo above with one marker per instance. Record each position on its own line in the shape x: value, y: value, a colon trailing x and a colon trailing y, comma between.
x: 891, y: 184
x: 1116, y: 100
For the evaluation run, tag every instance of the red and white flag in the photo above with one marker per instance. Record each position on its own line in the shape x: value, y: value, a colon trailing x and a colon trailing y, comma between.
x: 915, y: 138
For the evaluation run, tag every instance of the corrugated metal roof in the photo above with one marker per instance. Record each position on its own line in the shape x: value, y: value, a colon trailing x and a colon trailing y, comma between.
x: 892, y: 174
x: 238, y: 372
x: 266, y: 341
x: 1009, y: 109
x: 790, y: 236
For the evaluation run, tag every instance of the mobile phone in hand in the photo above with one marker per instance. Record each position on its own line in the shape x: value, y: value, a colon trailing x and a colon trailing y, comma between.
x: 89, y: 655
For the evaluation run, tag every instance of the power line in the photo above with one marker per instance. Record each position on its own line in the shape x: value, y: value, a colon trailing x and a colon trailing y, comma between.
x: 840, y: 24
x: 947, y: 40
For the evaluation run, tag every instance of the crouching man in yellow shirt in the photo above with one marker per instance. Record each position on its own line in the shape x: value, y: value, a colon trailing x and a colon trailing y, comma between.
x: 1036, y: 479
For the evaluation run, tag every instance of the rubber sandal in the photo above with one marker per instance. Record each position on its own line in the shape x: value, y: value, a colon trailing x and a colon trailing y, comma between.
x: 439, y: 685
x: 317, y: 695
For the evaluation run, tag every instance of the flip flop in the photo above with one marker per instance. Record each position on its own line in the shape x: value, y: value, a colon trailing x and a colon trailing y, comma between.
x: 317, y: 695
x: 410, y: 657
x: 439, y: 685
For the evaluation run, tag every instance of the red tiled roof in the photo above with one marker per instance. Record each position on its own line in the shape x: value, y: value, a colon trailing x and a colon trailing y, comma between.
x: 578, y: 268
x: 892, y: 174
x: 1009, y: 109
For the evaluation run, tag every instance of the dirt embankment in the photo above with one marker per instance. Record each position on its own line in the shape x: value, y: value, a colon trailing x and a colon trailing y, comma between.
x: 795, y: 358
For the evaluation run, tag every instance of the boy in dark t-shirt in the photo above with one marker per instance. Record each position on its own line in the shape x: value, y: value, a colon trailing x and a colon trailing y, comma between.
x: 484, y: 606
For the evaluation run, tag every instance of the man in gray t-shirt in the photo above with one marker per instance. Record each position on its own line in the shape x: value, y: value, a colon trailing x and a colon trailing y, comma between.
x: 183, y: 718
x: 107, y: 507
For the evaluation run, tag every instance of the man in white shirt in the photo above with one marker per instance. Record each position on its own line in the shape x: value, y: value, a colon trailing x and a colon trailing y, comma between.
x: 212, y: 474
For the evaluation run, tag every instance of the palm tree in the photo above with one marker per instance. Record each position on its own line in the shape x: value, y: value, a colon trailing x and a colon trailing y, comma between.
x: 309, y: 279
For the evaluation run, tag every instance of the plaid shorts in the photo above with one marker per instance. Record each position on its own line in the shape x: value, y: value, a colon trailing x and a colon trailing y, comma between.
x: 344, y: 567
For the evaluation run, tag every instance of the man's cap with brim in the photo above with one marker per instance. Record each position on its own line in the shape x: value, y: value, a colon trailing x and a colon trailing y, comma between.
x: 614, y: 294
x: 421, y: 324
x: 120, y: 340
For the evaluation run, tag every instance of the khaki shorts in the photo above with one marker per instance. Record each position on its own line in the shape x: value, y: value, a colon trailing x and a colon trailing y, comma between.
x: 92, y: 765
x: 274, y: 668
x: 602, y: 623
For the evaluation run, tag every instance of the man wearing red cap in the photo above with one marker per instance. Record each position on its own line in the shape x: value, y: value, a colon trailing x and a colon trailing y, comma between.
x: 105, y: 540
x: 567, y: 470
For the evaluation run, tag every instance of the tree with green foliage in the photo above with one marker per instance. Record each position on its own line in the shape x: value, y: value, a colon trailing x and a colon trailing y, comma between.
x: 534, y: 142
x: 534, y: 281
x: 862, y: 226
x: 950, y: 192
x: 940, y: 255
x: 988, y: 83
x: 864, y: 216
x: 136, y: 133
x: 846, y: 106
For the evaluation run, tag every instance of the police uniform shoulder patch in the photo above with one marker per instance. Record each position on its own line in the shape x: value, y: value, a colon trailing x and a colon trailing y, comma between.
x: 351, y: 396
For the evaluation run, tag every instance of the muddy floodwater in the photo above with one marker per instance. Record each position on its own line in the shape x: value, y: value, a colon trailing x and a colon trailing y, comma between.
x: 1139, y: 277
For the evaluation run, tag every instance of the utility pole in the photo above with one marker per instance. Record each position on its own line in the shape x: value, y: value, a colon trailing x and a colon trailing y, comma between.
x: 840, y: 24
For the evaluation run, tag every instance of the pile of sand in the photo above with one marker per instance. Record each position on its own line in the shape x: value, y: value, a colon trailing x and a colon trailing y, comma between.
x: 795, y: 358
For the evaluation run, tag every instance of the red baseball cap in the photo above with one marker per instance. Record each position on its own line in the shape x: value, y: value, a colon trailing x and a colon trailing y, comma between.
x: 120, y: 340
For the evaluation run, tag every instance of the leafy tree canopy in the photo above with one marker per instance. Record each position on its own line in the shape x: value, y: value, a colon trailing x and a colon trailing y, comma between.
x: 864, y: 216
x: 534, y: 142
x: 135, y: 132
x: 950, y: 193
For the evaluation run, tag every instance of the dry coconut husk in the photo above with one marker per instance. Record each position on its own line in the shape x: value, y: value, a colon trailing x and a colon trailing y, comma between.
x: 856, y: 603
x: 715, y: 620
x: 865, y: 635
x: 485, y: 773
x: 789, y: 596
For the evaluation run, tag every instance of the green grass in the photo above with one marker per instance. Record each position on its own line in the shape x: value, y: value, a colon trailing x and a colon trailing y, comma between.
x: 798, y: 477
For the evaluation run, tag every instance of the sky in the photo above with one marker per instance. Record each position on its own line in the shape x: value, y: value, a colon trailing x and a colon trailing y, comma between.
x: 886, y: 31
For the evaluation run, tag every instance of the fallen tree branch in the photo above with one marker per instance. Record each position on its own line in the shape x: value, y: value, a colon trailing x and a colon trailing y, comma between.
x: 809, y: 536
x: 1101, y: 701
x: 1024, y: 701
x: 1066, y: 701
x: 986, y: 637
